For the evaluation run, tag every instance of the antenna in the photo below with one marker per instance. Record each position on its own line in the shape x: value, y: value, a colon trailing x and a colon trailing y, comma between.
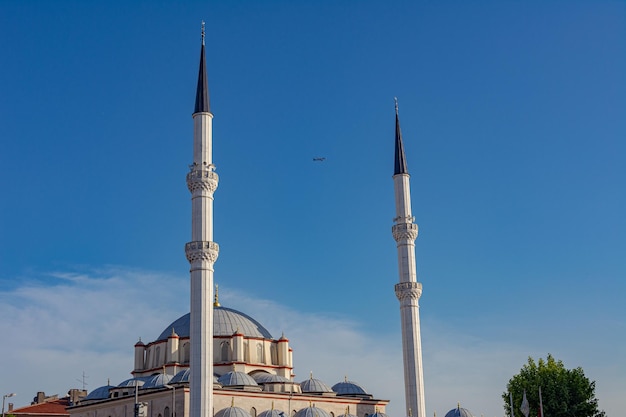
x: 82, y: 380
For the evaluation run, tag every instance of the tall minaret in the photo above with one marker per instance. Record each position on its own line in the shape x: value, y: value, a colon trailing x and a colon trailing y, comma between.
x: 201, y: 251
x: 408, y: 290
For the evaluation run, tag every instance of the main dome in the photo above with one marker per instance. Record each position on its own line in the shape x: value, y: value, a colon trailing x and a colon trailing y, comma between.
x: 226, y: 321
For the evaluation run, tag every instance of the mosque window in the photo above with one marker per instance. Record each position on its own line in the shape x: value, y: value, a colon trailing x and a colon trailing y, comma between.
x: 274, y: 353
x: 246, y: 352
x: 260, y: 357
x: 225, y: 351
x: 185, y: 358
x: 166, y: 412
x: 157, y: 356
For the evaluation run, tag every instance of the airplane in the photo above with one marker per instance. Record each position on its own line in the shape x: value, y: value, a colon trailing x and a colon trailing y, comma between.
x: 319, y: 159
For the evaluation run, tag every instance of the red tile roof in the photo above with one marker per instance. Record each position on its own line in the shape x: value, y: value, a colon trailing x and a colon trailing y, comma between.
x: 55, y: 407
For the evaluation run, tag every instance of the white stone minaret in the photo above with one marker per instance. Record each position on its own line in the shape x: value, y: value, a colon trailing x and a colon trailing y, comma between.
x: 202, y: 251
x: 408, y: 290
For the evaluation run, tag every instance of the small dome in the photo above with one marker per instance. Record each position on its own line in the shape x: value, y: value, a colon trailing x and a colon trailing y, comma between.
x: 232, y: 412
x: 378, y: 414
x: 157, y: 380
x: 139, y: 381
x: 235, y: 378
x: 349, y: 388
x: 459, y: 412
x: 226, y: 321
x: 99, y: 393
x: 312, y: 411
x: 182, y: 376
x: 262, y: 377
x: 272, y: 413
x: 314, y: 385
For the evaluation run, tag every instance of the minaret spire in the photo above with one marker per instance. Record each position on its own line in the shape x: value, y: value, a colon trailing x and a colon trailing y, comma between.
x: 408, y: 290
x: 202, y: 90
x: 400, y: 159
x: 202, y: 251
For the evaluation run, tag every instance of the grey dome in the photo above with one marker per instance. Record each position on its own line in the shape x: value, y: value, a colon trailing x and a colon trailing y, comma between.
x: 314, y: 385
x: 226, y: 321
x: 272, y: 413
x: 182, y: 376
x: 312, y: 411
x: 378, y: 414
x: 349, y: 388
x: 235, y: 378
x: 99, y: 393
x: 459, y: 412
x: 157, y: 380
x: 232, y: 412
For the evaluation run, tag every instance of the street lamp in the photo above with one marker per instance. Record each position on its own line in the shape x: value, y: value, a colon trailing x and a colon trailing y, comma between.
x: 4, y: 397
x: 173, y: 388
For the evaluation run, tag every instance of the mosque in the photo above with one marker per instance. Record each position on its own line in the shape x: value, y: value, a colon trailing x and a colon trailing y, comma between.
x: 219, y: 362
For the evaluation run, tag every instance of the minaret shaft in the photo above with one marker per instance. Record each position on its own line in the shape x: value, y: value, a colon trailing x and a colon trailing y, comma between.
x: 408, y: 290
x: 202, y: 253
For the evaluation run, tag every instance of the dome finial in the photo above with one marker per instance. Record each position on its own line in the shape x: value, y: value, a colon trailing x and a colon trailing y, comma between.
x: 216, y: 301
x: 395, y: 99
x: 410, y: 412
x: 345, y: 378
x: 310, y: 374
x: 232, y: 402
x: 272, y: 405
x: 203, y: 32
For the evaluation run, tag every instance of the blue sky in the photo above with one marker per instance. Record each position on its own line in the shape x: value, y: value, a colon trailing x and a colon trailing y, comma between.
x: 513, y: 119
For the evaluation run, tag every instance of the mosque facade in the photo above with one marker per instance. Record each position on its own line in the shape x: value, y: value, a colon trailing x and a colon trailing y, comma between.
x: 219, y: 362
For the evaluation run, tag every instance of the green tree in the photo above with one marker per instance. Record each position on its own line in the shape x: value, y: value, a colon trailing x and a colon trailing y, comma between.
x: 565, y: 392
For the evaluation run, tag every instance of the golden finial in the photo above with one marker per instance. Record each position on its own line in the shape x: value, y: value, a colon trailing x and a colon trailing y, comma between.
x: 347, y: 410
x: 410, y: 412
x: 458, y: 405
x: 108, y: 381
x: 163, y: 369
x: 203, y: 32
x: 216, y: 301
x: 345, y: 378
x: 310, y: 374
x: 232, y: 401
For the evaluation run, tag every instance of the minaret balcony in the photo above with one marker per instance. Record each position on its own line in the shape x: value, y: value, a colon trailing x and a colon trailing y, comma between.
x: 404, y: 231
x: 202, y: 179
x: 202, y: 251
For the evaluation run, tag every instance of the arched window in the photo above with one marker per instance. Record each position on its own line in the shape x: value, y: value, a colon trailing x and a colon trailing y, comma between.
x: 166, y: 412
x: 259, y: 353
x: 274, y: 353
x: 157, y: 357
x: 185, y: 358
x: 224, y: 351
x: 246, y: 352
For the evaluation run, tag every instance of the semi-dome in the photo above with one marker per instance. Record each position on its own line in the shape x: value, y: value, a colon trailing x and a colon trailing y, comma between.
x: 226, y: 321
x: 232, y: 412
x: 235, y: 378
x: 314, y: 385
x: 459, y: 412
x: 99, y: 393
x: 349, y: 388
x: 182, y: 376
x: 157, y: 380
x: 131, y: 382
x: 312, y: 411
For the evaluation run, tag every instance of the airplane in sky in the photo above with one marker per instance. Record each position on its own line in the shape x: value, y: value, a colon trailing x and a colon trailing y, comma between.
x: 319, y: 159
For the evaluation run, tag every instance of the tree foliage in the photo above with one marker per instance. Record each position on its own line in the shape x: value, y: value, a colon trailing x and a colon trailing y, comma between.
x: 565, y: 392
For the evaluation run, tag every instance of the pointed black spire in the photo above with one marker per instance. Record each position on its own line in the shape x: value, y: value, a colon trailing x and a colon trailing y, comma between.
x: 202, y: 91
x: 400, y: 159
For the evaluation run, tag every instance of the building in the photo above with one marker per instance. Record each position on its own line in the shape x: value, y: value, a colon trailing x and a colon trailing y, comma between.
x: 216, y: 361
